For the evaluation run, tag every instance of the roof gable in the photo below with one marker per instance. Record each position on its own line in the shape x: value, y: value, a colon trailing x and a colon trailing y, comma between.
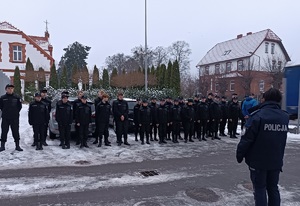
x: 8, y: 27
x: 239, y: 47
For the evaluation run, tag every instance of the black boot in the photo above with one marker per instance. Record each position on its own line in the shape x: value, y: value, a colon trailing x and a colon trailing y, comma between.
x: 216, y: 136
x: 96, y: 141
x: 85, y: 144
x: 33, y: 144
x: 2, y: 148
x: 100, y: 143
x: 18, y: 148
x: 203, y: 138
x: 40, y: 146
x: 191, y: 140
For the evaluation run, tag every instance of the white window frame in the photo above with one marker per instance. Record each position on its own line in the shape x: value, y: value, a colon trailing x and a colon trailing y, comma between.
x: 231, y: 85
x: 240, y: 67
x: 206, y: 70
x: 228, y: 68
x: 267, y: 47
x: 17, y: 53
x: 272, y: 48
x: 217, y: 69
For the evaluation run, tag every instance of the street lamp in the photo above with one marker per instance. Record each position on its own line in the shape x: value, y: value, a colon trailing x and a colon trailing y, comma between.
x: 146, y: 63
x: 258, y: 58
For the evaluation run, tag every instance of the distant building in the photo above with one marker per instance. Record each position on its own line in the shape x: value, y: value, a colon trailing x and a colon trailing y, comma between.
x: 246, y: 64
x: 16, y: 47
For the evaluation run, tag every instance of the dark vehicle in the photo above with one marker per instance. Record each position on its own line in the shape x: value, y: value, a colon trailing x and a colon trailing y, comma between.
x: 291, y: 90
x: 131, y: 103
x: 53, y: 126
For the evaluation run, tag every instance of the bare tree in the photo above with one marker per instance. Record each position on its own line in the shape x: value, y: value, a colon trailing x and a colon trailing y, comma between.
x: 248, y: 73
x: 116, y: 61
x: 160, y: 56
x: 139, y: 56
x: 180, y: 50
x: 275, y: 67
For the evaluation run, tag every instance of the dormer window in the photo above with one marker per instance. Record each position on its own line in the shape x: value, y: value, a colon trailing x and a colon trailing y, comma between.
x: 228, y: 67
x: 240, y: 65
x: 226, y: 52
x: 217, y: 69
x: 206, y: 71
x: 272, y: 48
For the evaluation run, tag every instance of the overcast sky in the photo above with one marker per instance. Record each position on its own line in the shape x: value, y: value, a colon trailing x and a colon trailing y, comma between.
x: 116, y: 26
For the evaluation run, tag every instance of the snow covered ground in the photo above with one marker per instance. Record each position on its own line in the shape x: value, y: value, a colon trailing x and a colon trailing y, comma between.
x: 53, y: 156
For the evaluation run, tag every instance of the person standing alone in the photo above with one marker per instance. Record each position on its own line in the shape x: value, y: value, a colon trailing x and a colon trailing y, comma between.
x: 263, y: 146
x: 10, y: 105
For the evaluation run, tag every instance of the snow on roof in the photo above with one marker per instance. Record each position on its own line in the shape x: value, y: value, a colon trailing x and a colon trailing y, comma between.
x: 238, y: 47
x: 7, y: 27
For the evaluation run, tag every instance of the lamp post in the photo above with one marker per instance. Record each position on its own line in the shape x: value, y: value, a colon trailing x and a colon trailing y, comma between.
x: 146, y: 63
x: 258, y: 58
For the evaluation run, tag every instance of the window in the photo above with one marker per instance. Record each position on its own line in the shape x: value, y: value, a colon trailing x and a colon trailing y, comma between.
x: 217, y: 87
x: 17, y: 52
x: 231, y: 85
x: 226, y: 52
x: 217, y: 69
x: 279, y: 65
x: 240, y: 65
x: 272, y: 48
x: 273, y: 65
x: 267, y: 47
x: 261, y: 85
x: 206, y: 71
x: 228, y: 67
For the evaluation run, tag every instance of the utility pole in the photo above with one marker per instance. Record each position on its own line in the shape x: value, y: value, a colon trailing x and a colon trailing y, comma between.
x: 146, y: 63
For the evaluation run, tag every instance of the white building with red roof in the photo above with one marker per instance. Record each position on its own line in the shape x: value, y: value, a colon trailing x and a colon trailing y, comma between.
x: 16, y: 47
x: 233, y: 59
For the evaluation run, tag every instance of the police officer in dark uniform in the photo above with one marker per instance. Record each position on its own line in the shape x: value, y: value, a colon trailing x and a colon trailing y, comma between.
x: 83, y: 118
x: 188, y: 118
x: 136, y: 110
x: 196, y: 124
x: 76, y: 102
x: 263, y: 146
x: 162, y: 120
x: 234, y: 112
x: 120, y: 112
x: 145, y: 121
x: 203, y: 118
x: 64, y: 118
x: 10, y: 105
x: 96, y: 102
x: 214, y: 117
x: 46, y: 101
x: 153, y: 130
x: 169, y: 105
x: 224, y: 116
x: 103, y: 112
x: 181, y: 104
x: 176, y: 120
x: 38, y: 117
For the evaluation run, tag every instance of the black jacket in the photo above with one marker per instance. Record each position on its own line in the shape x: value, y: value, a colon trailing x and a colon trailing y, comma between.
x: 83, y: 114
x: 38, y: 113
x: 176, y: 113
x: 202, y: 112
x: 10, y: 105
x: 153, y: 106
x: 162, y: 114
x: 75, y: 103
x: 64, y: 113
x: 136, y: 110
x: 214, y: 111
x: 234, y: 110
x: 224, y: 110
x: 103, y: 111
x: 47, y: 101
x: 119, y: 108
x: 264, y: 142
x: 145, y: 116
x: 188, y: 114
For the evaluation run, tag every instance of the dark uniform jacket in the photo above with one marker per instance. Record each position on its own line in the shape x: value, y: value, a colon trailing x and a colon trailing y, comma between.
x: 162, y: 114
x: 83, y: 114
x: 214, y: 111
x: 64, y: 113
x: 234, y: 110
x: 38, y: 113
x: 224, y: 110
x: 119, y: 108
x: 103, y: 111
x: 264, y: 142
x: 145, y: 116
x: 202, y: 112
x: 76, y: 102
x: 10, y: 105
x: 47, y: 101
x: 97, y: 101
x: 136, y: 110
x: 188, y: 114
x: 195, y: 105
x: 153, y: 107
x: 176, y: 113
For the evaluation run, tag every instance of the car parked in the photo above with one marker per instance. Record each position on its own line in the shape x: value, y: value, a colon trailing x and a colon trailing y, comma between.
x: 131, y: 104
x: 53, y: 125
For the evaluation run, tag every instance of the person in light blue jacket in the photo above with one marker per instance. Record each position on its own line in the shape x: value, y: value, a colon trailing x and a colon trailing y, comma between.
x: 247, y: 104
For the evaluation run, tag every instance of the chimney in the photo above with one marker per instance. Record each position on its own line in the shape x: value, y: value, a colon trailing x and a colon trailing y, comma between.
x: 249, y: 33
x: 239, y: 36
x: 47, y: 35
x: 50, y: 48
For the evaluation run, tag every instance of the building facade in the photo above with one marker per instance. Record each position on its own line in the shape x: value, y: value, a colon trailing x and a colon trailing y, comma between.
x: 250, y: 63
x: 16, y: 47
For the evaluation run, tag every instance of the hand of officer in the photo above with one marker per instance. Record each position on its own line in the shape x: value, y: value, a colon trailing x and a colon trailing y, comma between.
x: 157, y: 125
x: 122, y: 118
x: 78, y: 124
x: 150, y: 123
x: 198, y: 121
x: 170, y: 122
x: 230, y: 120
x: 140, y: 125
x: 220, y: 120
